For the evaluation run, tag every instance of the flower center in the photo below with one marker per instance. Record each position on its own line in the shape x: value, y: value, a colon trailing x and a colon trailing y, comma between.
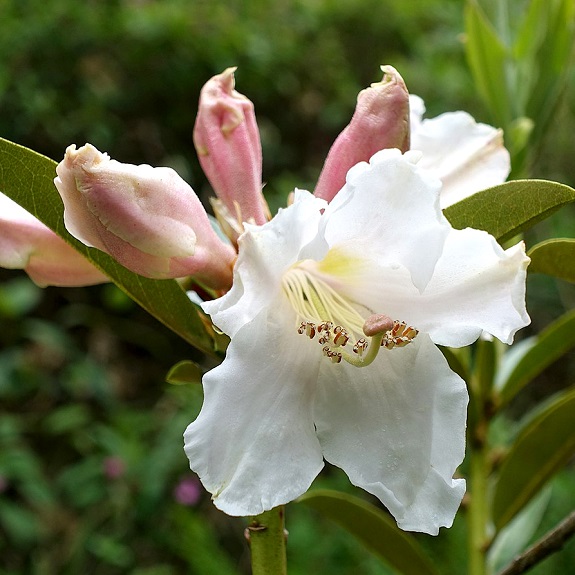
x: 335, y: 321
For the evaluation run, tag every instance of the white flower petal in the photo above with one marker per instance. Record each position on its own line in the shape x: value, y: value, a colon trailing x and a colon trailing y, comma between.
x: 466, y: 156
x: 254, y: 444
x: 264, y: 253
x: 416, y: 111
x: 389, y: 209
x: 397, y: 428
x: 476, y: 286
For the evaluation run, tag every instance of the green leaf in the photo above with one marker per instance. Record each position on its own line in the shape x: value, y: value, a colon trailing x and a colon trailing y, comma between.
x: 374, y: 528
x: 545, y: 445
x: 553, y: 342
x: 515, y: 537
x: 510, y: 208
x: 458, y: 360
x: 20, y: 525
x: 109, y: 550
x: 27, y: 177
x: 184, y: 372
x: 544, y: 45
x: 518, y: 134
x: 487, y: 55
x: 18, y: 297
x: 555, y: 257
x: 194, y: 540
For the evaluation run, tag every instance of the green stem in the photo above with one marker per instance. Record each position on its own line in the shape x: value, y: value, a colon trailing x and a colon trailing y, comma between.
x: 478, y: 510
x: 481, y: 413
x: 267, y: 538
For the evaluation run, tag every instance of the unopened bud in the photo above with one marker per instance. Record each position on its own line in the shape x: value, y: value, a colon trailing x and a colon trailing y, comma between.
x: 26, y: 243
x: 227, y: 142
x: 380, y: 120
x: 148, y: 219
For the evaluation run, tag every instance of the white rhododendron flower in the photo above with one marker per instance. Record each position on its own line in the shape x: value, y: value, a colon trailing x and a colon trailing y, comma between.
x: 466, y: 156
x: 318, y: 368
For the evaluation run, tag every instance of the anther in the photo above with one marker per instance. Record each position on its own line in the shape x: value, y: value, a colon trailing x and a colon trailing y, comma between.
x: 399, y: 336
x: 341, y: 336
x: 410, y: 332
x: 380, y: 331
x: 333, y: 355
x: 360, y: 346
x: 308, y: 328
x: 325, y: 326
x: 398, y: 328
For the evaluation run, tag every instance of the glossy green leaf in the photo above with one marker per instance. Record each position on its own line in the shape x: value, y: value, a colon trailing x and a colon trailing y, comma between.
x: 184, y: 372
x: 552, y: 343
x: 374, y: 528
x: 27, y: 178
x: 543, y: 447
x: 555, y: 257
x: 510, y: 208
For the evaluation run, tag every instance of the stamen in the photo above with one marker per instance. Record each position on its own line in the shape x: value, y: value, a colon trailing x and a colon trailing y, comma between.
x: 399, y: 336
x: 360, y: 346
x: 333, y: 355
x: 331, y: 317
x: 340, y: 336
x: 308, y: 328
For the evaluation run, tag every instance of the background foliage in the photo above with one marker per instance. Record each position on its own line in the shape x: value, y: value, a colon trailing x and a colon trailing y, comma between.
x: 92, y: 475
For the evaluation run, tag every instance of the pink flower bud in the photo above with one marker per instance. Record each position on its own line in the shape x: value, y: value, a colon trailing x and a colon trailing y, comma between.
x: 380, y: 120
x: 148, y: 219
x: 227, y: 141
x: 26, y: 243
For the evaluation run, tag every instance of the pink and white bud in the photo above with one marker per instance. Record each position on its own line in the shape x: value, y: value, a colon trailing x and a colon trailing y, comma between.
x: 26, y: 243
x: 148, y: 219
x: 380, y: 120
x: 227, y: 142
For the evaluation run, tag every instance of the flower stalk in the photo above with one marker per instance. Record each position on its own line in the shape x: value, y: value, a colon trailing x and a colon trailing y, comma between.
x: 482, y: 412
x: 478, y: 510
x: 267, y: 539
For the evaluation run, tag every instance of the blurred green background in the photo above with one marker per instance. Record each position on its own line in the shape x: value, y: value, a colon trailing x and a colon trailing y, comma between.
x: 93, y: 478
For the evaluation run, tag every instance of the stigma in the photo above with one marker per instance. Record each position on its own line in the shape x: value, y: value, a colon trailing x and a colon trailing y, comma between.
x: 344, y: 329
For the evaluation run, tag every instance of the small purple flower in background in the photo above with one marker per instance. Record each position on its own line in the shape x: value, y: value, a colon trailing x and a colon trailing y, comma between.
x: 114, y: 467
x: 187, y: 491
